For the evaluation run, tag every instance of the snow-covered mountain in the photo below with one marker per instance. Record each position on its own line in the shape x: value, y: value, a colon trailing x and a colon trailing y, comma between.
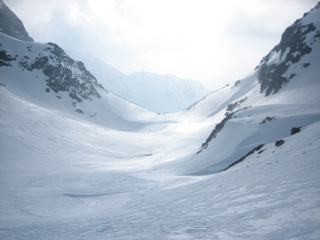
x: 45, y: 75
x: 242, y: 163
x: 11, y: 25
x: 279, y: 95
x: 155, y: 92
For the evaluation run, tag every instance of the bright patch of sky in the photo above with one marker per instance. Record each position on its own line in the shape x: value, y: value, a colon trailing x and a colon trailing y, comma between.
x: 215, y: 42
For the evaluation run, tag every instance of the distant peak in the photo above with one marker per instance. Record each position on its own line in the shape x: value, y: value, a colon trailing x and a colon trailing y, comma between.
x: 11, y: 25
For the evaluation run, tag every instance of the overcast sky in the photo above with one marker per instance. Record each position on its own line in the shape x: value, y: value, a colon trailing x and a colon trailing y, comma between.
x: 214, y: 41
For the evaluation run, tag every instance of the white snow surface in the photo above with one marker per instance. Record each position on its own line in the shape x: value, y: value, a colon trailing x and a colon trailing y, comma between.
x: 128, y: 173
x: 66, y: 179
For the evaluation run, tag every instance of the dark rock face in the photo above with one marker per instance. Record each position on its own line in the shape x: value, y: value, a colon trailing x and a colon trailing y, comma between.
x: 62, y: 72
x: 232, y: 106
x: 5, y: 58
x: 215, y: 131
x: 290, y: 50
x: 279, y: 143
x: 267, y: 119
x: 220, y: 126
x: 63, y: 76
x: 11, y: 25
x: 295, y: 130
x: 244, y: 157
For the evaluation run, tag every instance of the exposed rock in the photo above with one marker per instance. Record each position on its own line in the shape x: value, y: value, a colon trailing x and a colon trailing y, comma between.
x: 290, y: 50
x: 279, y: 143
x: 64, y: 74
x: 295, y: 130
x: 237, y: 83
x: 244, y: 157
x: 79, y: 111
x: 218, y: 128
x: 215, y: 131
x: 267, y: 119
x: 5, y: 58
x: 232, y: 106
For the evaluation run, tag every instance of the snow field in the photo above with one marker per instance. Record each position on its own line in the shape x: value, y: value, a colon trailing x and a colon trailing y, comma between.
x: 65, y: 179
x: 104, y: 168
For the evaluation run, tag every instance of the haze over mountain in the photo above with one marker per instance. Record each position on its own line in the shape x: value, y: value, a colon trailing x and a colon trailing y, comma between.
x: 191, y: 39
x: 78, y: 162
x: 157, y: 93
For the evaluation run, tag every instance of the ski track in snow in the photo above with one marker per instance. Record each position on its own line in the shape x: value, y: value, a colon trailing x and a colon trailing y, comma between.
x: 64, y: 179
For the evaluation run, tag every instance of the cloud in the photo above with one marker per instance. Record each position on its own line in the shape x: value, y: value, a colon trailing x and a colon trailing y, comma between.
x: 201, y: 39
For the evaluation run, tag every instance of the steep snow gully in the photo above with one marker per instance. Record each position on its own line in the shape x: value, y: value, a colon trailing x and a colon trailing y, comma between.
x: 78, y: 162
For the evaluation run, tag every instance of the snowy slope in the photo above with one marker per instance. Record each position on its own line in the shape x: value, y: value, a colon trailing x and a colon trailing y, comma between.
x: 282, y: 93
x: 132, y: 174
x: 155, y: 92
x: 65, y: 179
x: 44, y: 74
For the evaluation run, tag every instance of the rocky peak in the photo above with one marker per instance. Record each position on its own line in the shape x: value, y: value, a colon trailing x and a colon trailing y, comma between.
x: 11, y: 25
x: 62, y: 73
x: 65, y: 74
x: 273, y: 71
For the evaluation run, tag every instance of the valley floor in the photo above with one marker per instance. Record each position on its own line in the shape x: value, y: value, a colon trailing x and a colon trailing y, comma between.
x: 66, y: 179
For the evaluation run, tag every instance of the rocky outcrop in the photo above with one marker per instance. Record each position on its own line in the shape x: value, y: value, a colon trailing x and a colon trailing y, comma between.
x: 267, y: 119
x: 244, y: 157
x: 5, y: 58
x: 232, y: 106
x: 295, y: 130
x: 279, y: 143
x: 62, y: 73
x: 215, y: 132
x: 292, y: 47
x: 65, y: 74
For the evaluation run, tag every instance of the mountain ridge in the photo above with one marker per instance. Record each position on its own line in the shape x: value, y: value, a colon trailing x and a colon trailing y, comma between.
x: 290, y: 50
x: 160, y: 93
x: 45, y: 75
x: 290, y: 92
